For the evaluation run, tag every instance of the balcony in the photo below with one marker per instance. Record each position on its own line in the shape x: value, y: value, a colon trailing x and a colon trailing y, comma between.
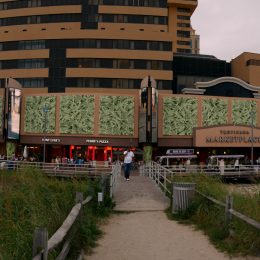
x: 184, y: 3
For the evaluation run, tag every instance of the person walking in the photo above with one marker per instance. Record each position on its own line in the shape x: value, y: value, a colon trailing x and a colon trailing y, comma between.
x: 222, y: 166
x: 128, y: 158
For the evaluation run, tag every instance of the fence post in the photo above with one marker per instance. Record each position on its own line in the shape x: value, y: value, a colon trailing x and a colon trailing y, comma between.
x: 229, y: 205
x: 79, y: 197
x: 40, y: 242
x: 111, y: 185
x: 165, y: 182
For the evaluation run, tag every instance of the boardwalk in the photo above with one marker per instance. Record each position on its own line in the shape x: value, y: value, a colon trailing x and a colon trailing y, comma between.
x: 143, y: 232
x: 139, y: 194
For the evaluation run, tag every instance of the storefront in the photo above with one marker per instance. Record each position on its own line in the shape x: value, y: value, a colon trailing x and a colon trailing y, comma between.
x: 89, y: 149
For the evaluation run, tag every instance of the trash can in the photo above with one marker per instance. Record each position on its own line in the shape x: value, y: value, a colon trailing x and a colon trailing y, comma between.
x: 182, y: 194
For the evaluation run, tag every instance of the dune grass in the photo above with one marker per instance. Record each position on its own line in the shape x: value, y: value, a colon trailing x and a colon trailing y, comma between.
x: 28, y: 199
x: 237, y: 238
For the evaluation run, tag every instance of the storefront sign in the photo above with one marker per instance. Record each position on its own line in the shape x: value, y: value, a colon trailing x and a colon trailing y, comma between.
x: 231, y: 136
x: 51, y: 140
x: 231, y: 139
x: 180, y: 151
x: 97, y: 141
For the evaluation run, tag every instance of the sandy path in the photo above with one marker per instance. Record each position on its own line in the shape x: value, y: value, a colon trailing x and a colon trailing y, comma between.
x: 151, y: 236
x: 147, y: 233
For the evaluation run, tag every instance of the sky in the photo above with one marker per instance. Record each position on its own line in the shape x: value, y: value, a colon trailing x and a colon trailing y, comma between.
x: 227, y: 28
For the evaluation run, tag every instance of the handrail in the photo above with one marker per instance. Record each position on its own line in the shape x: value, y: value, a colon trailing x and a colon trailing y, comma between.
x: 153, y: 170
x: 116, y: 170
x: 158, y: 173
x: 61, y: 169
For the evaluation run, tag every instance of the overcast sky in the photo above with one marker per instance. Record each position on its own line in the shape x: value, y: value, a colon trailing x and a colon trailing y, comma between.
x: 227, y: 27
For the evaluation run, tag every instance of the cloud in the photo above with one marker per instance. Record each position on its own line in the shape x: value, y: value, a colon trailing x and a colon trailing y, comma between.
x: 227, y: 27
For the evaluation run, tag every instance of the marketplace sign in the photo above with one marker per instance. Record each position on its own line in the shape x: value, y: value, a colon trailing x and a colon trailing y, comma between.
x: 226, y: 136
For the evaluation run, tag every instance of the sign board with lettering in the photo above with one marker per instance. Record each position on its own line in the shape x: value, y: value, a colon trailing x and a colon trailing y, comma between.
x: 97, y: 141
x: 180, y: 151
x: 227, y: 136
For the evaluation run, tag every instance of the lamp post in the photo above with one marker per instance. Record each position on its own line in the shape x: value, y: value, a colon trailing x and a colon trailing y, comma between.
x: 149, y: 122
x: 45, y: 112
x: 252, y: 137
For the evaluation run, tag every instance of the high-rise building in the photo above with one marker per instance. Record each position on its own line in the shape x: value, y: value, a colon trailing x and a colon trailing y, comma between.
x: 94, y: 43
x: 195, y: 42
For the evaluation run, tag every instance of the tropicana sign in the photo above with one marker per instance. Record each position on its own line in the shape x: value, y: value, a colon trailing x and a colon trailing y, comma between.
x: 226, y: 136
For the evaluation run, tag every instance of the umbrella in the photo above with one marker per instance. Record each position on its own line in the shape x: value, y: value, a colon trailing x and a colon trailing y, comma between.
x: 25, y: 152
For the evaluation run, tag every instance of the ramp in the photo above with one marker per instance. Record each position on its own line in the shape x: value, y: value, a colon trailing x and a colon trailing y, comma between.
x: 139, y: 194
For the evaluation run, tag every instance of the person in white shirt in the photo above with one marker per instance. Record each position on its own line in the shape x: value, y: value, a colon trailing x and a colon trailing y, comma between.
x: 236, y: 165
x: 222, y: 166
x: 128, y: 158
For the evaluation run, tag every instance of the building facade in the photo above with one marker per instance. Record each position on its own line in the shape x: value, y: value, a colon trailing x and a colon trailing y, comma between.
x: 80, y: 65
x: 88, y: 56
x: 96, y: 43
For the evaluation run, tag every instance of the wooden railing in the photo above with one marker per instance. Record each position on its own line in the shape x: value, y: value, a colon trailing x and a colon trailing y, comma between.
x: 45, y: 246
x: 229, y: 211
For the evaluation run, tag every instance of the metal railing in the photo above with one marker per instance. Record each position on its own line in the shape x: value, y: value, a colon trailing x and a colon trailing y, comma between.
x: 164, y: 178
x: 229, y: 171
x: 116, y: 171
x: 159, y: 174
x: 67, y: 170
x: 61, y: 169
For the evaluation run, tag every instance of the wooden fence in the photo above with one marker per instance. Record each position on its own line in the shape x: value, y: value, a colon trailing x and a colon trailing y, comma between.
x: 229, y: 211
x: 163, y: 177
x: 42, y: 246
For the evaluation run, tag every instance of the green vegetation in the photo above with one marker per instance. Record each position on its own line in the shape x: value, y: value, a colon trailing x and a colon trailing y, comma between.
x: 28, y: 199
x: 215, y: 111
x: 116, y: 115
x: 237, y: 238
x: 77, y: 114
x: 241, y: 112
x: 180, y: 115
x: 34, y: 114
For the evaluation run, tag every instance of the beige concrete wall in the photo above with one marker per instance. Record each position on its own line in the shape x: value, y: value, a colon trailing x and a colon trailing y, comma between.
x: 41, y: 10
x: 240, y: 69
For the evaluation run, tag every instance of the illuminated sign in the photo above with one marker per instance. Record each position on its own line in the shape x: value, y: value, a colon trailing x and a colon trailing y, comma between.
x: 51, y: 140
x: 180, y: 151
x: 14, y: 113
x: 97, y: 141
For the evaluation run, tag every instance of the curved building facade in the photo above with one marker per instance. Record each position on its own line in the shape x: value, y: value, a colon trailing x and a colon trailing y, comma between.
x: 88, y: 56
x: 92, y: 44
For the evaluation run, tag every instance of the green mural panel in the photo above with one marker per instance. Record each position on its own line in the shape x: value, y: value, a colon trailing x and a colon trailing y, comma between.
x: 35, y: 115
x: 180, y: 115
x: 241, y: 112
x: 1, y: 114
x: 77, y: 114
x: 116, y: 115
x: 215, y: 111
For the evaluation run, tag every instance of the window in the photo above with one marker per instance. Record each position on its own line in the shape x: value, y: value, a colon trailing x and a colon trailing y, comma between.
x: 184, y: 34
x: 183, y: 10
x: 187, y: 43
x: 106, y: 44
x: 140, y: 45
x: 123, y: 64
